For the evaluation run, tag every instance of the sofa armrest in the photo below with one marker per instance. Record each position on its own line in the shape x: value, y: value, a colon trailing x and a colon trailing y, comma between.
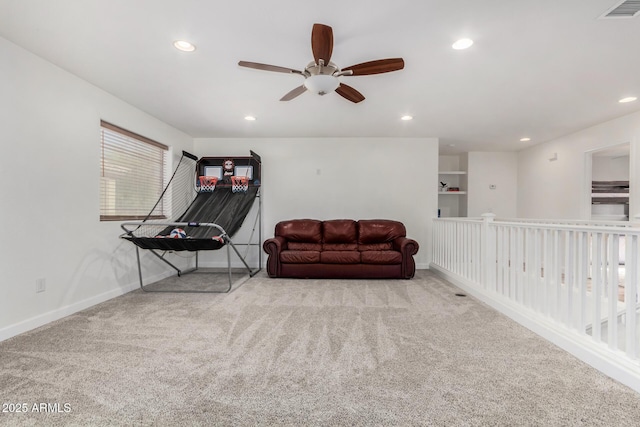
x: 408, y: 248
x: 273, y: 247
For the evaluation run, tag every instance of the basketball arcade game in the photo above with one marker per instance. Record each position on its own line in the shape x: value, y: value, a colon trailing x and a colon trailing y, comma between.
x: 213, y: 196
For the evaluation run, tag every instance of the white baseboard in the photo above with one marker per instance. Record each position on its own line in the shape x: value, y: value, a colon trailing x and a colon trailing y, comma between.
x: 45, y: 318
x: 223, y: 264
x: 598, y: 356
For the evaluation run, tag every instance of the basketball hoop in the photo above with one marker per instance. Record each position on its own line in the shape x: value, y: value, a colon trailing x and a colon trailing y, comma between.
x: 207, y: 184
x: 239, y: 184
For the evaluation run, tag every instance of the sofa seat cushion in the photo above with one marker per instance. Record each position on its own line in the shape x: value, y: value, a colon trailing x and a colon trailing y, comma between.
x: 340, y: 247
x: 303, y: 246
x: 300, y: 257
x: 381, y: 257
x: 340, y: 257
x: 386, y: 246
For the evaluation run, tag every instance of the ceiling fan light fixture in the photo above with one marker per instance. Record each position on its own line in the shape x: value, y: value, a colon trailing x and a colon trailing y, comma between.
x: 321, y: 84
x: 184, y: 45
x: 462, y: 44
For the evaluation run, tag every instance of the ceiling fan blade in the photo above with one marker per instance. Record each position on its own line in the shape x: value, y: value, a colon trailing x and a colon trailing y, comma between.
x: 267, y: 67
x: 295, y: 92
x: 349, y: 93
x: 375, y: 67
x: 322, y: 43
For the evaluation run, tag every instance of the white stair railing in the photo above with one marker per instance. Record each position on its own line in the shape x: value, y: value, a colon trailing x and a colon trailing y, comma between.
x: 578, y: 278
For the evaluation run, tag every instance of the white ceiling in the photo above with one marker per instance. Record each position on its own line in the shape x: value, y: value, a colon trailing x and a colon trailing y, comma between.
x: 538, y: 68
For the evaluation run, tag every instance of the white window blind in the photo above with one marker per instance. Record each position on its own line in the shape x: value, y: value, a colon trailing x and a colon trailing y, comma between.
x: 131, y: 174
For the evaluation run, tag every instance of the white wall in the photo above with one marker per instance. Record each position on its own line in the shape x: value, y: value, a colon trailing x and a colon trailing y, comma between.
x: 49, y: 192
x: 486, y: 169
x: 326, y: 178
x: 607, y: 168
x: 559, y: 189
x: 448, y: 162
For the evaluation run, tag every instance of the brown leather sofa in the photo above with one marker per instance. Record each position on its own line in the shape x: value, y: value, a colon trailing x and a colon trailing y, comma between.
x: 341, y: 248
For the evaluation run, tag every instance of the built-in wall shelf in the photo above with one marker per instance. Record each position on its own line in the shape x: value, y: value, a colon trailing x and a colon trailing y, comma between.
x: 610, y: 192
x: 452, y: 174
x: 453, y: 180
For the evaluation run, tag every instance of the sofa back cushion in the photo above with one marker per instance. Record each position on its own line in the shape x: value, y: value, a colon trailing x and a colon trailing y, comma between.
x: 339, y: 235
x: 339, y: 231
x: 300, y: 230
x: 379, y: 231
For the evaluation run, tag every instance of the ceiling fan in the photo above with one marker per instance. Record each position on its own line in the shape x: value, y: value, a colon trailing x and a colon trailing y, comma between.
x: 321, y: 75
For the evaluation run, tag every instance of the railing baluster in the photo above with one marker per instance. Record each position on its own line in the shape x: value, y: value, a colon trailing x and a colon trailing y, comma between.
x: 568, y: 276
x: 534, y: 272
x: 499, y: 231
x: 507, y: 262
x: 631, y: 295
x: 582, y: 281
x: 456, y: 249
x: 557, y: 275
x: 473, y: 238
x: 546, y: 265
x: 463, y: 250
x: 523, y: 240
x: 515, y: 263
x: 449, y: 251
x: 596, y: 292
x: 499, y: 258
x: 612, y: 324
x: 466, y: 258
x: 498, y: 279
x: 526, y: 266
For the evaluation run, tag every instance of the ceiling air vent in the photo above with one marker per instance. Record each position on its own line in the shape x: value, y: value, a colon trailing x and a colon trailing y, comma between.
x: 624, y: 9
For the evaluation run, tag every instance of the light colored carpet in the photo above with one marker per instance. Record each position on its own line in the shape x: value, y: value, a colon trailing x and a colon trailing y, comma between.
x: 304, y: 352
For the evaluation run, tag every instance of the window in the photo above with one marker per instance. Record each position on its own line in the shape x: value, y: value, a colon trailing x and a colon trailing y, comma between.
x: 132, y: 175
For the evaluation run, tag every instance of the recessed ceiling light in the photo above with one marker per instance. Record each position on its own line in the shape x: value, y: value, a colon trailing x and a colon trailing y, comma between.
x: 525, y: 139
x: 184, y: 46
x: 406, y: 118
x: 462, y: 44
x: 628, y: 99
x: 250, y: 118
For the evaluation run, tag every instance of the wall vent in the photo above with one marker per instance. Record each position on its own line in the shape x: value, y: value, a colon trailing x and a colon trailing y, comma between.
x: 623, y: 9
